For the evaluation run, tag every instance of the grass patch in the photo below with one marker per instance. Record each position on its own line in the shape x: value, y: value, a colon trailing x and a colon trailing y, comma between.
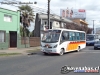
x: 9, y: 54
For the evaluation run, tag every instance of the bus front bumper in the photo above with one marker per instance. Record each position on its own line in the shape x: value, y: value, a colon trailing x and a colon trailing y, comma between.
x: 49, y: 50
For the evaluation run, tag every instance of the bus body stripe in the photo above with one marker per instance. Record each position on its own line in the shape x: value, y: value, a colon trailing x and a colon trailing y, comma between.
x: 74, y: 45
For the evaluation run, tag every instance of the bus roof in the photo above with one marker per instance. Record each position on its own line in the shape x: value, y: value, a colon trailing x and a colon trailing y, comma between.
x: 67, y: 30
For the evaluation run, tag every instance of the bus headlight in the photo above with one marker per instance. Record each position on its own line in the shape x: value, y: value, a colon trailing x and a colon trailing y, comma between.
x: 55, y: 46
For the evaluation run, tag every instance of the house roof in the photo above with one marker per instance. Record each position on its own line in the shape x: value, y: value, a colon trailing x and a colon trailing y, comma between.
x: 83, y: 22
x: 55, y: 17
x: 7, y: 9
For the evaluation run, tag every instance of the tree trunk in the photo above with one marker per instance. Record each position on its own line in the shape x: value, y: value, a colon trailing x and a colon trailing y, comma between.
x: 24, y: 37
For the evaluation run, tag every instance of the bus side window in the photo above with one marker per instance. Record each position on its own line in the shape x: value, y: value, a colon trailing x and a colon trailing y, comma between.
x: 70, y: 36
x: 74, y: 36
x: 82, y: 36
x: 64, y: 36
x: 77, y: 36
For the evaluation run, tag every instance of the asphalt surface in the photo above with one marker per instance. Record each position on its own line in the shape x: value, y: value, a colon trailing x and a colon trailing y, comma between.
x: 39, y: 64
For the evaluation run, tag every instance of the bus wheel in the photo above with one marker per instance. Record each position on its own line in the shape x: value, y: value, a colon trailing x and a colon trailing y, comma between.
x: 61, y: 52
x: 45, y: 53
x: 78, y: 49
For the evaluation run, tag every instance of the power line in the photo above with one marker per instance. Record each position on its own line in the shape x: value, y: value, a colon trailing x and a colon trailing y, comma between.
x: 33, y: 7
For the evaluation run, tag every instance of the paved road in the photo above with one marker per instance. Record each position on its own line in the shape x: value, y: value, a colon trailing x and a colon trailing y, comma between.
x: 39, y: 64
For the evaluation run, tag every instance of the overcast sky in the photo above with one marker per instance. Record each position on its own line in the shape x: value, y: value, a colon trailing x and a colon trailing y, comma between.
x: 92, y: 8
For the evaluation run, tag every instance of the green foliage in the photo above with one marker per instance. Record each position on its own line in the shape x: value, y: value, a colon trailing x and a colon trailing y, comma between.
x: 21, y: 31
x: 25, y: 7
x: 27, y: 32
x: 32, y: 34
x: 77, y: 27
x: 89, y: 31
x: 9, y: 54
x: 27, y: 15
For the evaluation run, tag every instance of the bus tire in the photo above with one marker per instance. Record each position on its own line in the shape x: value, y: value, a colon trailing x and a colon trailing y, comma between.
x: 45, y: 53
x: 78, y: 49
x: 61, y: 52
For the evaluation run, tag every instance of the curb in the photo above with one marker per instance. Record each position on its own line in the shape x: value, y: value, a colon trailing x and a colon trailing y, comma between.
x: 25, y: 51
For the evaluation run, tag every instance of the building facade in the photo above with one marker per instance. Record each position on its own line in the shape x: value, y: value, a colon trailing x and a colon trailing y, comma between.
x: 10, y: 29
x: 41, y: 23
x: 80, y: 22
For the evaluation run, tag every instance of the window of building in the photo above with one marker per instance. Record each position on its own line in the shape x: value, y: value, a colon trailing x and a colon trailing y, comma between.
x: 62, y: 25
x: 50, y: 25
x: 7, y: 18
x: 45, y: 22
x: 65, y: 25
x: 2, y: 36
x: 41, y: 26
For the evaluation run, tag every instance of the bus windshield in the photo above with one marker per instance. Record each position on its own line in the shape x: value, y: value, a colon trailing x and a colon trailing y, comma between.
x: 51, y: 36
x: 89, y: 37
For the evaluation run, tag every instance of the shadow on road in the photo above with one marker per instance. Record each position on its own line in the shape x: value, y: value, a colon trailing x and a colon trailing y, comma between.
x: 40, y: 53
x: 89, y: 48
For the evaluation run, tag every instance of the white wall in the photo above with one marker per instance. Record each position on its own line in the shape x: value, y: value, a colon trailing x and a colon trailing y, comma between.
x: 55, y: 24
x: 44, y: 23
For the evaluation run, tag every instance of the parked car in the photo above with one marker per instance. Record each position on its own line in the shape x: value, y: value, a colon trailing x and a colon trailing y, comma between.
x: 97, y: 45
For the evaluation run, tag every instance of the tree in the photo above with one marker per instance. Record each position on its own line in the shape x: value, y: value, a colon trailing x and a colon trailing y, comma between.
x: 21, y: 31
x: 32, y: 34
x: 26, y: 17
x: 77, y: 27
x: 27, y: 33
x: 89, y: 31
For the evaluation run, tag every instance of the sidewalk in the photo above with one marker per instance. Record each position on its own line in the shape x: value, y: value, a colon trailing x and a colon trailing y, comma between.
x: 21, y: 50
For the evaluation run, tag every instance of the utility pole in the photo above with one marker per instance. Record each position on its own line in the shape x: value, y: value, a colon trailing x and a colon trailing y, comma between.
x: 93, y: 26
x: 48, y: 14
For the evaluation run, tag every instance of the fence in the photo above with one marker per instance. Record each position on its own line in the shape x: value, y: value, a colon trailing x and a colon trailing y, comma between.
x: 24, y: 40
x: 32, y: 41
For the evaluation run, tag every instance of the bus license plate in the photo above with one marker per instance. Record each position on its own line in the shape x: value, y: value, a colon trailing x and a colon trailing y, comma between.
x: 48, y: 50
